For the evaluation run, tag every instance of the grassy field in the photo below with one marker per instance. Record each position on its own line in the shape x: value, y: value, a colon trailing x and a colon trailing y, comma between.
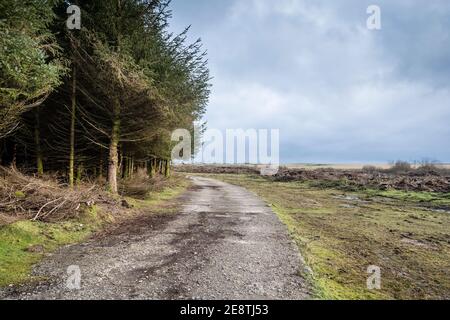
x: 340, y: 234
x: 25, y: 242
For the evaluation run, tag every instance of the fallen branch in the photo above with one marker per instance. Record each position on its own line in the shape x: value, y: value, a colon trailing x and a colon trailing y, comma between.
x: 42, y: 208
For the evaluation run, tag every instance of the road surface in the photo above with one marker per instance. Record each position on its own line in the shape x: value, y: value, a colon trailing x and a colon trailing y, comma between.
x: 225, y: 243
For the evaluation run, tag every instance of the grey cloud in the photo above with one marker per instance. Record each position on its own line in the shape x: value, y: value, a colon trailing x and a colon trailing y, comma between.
x: 337, y: 91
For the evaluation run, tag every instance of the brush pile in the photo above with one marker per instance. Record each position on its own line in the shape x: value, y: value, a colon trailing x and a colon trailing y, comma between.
x: 408, y: 181
x: 44, y: 199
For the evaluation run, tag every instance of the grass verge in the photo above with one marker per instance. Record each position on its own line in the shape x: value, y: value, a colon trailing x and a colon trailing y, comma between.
x: 340, y: 234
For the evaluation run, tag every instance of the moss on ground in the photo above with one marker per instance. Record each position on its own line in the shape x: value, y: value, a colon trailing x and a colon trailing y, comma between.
x: 24, y: 243
x: 341, y: 233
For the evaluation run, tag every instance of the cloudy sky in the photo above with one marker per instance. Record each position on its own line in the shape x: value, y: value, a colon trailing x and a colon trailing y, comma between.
x: 337, y: 91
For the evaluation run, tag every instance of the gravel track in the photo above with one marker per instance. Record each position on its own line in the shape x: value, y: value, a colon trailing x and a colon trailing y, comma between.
x: 225, y: 243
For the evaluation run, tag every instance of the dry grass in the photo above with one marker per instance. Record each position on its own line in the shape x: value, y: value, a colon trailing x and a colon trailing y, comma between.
x: 141, y: 186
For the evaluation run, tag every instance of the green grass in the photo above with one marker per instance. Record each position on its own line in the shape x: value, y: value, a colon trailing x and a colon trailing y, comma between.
x: 429, y: 198
x: 341, y: 233
x: 17, y: 241
x: 24, y: 243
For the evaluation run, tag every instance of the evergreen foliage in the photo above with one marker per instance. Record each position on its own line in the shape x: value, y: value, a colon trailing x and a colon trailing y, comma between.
x: 100, y: 101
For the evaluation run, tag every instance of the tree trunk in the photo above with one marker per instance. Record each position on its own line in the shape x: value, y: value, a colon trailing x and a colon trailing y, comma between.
x: 14, y: 157
x: 122, y: 166
x: 72, y: 127
x: 167, y: 169
x: 113, y: 149
x: 150, y: 169
x: 37, y: 140
x: 80, y: 171
x: 100, y: 166
x: 126, y: 167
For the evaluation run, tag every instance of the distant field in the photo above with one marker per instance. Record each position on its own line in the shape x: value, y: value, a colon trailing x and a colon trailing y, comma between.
x: 314, y: 166
x: 347, y: 166
x: 401, y: 176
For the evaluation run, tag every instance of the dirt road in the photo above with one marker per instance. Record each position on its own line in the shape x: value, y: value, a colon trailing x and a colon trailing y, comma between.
x: 224, y: 244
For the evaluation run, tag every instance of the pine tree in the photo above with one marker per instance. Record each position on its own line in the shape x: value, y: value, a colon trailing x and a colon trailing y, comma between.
x: 29, y: 68
x: 129, y: 84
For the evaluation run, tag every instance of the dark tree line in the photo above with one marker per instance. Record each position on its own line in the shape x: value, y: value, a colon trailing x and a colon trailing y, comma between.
x: 100, y: 101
